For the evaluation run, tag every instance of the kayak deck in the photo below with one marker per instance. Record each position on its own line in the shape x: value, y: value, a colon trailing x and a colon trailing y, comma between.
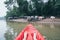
x: 30, y: 33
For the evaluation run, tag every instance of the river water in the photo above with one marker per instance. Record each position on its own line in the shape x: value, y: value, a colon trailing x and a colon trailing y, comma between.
x: 9, y: 30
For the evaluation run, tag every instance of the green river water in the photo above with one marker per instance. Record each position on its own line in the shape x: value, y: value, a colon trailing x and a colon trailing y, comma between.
x: 9, y: 30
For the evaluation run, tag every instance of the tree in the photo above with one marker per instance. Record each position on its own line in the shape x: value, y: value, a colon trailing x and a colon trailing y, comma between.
x: 32, y: 8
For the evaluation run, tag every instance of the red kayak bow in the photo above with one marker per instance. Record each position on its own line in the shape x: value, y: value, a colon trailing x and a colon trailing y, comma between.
x: 29, y: 33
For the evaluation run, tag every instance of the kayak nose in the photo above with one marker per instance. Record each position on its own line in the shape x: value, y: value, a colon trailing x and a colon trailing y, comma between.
x: 30, y: 33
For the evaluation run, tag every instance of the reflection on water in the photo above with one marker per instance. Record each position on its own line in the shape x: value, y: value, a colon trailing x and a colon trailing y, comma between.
x: 51, y: 32
x: 10, y: 34
x: 2, y: 29
x: 52, y: 25
x: 12, y: 29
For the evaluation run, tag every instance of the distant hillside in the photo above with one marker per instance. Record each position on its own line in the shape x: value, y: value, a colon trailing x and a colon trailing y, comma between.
x: 2, y: 18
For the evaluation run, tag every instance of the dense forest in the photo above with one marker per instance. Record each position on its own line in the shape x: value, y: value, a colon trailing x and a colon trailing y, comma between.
x: 17, y: 8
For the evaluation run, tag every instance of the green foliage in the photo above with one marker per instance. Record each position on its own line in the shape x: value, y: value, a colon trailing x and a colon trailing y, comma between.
x: 33, y: 8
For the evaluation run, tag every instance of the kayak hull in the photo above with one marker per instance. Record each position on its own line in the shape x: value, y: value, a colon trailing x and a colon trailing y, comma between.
x: 30, y: 29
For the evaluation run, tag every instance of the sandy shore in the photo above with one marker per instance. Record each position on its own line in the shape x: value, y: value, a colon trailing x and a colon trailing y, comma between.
x: 41, y: 21
x: 49, y: 21
x: 19, y: 20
